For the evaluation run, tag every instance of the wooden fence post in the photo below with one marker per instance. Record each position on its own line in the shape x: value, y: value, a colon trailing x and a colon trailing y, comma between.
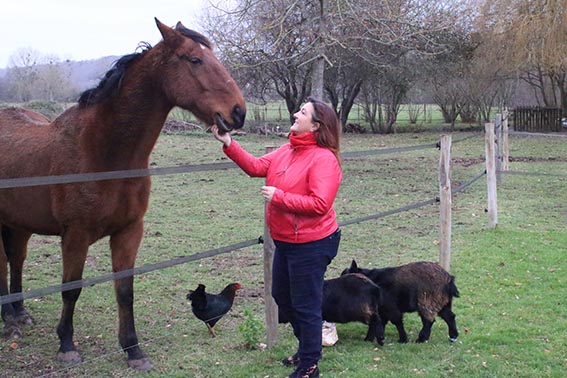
x: 445, y: 202
x: 492, y: 209
x: 271, y: 308
x: 498, y: 144
x: 505, y: 166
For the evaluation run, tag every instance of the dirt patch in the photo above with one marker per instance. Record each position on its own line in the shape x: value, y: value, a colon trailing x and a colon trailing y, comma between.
x: 468, y: 162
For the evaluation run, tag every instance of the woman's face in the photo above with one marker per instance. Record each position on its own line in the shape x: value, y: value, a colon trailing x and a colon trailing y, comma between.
x: 303, y: 121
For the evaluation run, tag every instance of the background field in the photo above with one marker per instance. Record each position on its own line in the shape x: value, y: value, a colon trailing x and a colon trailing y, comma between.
x: 512, y: 312
x: 427, y: 117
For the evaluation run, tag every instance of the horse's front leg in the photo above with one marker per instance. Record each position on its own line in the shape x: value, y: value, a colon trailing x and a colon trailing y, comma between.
x: 74, y: 244
x: 124, y: 246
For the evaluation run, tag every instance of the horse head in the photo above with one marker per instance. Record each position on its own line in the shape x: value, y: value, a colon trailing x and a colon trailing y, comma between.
x: 194, y: 79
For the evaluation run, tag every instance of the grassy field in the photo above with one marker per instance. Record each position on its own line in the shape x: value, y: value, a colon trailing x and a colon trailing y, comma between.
x: 428, y: 116
x: 277, y: 113
x: 512, y: 313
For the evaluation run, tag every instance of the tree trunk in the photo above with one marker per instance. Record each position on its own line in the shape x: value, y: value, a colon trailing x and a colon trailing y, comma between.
x: 318, y: 78
x: 348, y: 102
x: 319, y: 64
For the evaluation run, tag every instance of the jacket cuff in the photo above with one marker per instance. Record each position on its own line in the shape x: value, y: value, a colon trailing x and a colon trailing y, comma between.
x: 277, y: 198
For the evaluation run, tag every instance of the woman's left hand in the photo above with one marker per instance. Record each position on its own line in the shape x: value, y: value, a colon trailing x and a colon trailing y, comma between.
x: 268, y: 192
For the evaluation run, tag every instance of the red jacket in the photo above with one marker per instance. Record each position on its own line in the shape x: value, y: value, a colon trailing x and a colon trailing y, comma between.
x: 307, y: 178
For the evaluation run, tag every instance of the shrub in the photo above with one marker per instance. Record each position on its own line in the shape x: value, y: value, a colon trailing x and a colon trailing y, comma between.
x: 251, y: 330
x: 50, y: 109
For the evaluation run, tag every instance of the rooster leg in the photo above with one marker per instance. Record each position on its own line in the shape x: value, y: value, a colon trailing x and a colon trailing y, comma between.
x: 212, y: 331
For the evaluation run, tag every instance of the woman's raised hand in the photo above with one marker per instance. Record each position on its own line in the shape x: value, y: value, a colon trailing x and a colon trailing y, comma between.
x: 224, y: 138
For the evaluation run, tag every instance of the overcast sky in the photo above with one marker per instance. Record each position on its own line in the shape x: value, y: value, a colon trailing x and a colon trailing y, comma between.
x: 82, y: 30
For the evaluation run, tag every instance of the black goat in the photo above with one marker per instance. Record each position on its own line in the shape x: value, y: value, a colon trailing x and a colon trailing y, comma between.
x: 422, y: 286
x: 352, y: 298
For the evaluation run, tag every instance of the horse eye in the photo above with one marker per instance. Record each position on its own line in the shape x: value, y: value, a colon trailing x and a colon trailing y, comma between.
x: 192, y: 60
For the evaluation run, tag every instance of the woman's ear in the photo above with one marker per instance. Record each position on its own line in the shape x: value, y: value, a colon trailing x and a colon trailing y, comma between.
x: 315, y: 126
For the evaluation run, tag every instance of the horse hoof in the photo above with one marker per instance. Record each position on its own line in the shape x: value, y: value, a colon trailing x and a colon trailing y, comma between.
x: 452, y: 339
x: 25, y: 319
x: 72, y: 357
x: 142, y: 364
x: 12, y: 332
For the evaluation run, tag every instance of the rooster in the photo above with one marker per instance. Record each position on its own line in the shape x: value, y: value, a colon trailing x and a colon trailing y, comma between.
x: 210, y: 308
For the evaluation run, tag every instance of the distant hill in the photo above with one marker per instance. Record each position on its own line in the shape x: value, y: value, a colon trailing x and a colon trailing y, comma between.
x: 86, y: 74
x: 83, y: 74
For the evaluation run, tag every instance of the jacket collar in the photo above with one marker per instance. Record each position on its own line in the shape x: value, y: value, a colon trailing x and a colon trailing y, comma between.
x: 303, y: 140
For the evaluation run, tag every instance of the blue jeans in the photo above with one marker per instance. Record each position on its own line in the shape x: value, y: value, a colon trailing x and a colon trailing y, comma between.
x: 297, y: 288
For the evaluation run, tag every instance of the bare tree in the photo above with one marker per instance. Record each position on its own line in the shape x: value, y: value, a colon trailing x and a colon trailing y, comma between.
x: 319, y: 62
x: 270, y: 44
x: 283, y: 45
x: 531, y: 36
x: 35, y: 76
x: 343, y: 81
x: 382, y: 97
x: 23, y: 73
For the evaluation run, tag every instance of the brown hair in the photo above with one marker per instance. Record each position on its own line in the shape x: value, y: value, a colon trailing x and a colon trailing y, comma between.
x: 329, y: 133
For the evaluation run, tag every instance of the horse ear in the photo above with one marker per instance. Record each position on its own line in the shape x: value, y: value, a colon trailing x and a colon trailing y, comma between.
x: 179, y: 25
x: 171, y: 37
x: 353, y: 264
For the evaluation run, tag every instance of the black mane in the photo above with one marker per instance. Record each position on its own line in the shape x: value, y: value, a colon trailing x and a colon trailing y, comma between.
x: 110, y: 83
x: 192, y: 34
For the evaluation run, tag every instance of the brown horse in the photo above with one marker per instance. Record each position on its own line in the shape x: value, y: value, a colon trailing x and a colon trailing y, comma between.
x: 113, y: 127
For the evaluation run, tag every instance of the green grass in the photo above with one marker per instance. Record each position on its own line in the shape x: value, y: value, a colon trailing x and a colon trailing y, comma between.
x: 511, y: 314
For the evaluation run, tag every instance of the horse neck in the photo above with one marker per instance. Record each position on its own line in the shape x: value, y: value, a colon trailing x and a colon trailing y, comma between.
x: 128, y: 127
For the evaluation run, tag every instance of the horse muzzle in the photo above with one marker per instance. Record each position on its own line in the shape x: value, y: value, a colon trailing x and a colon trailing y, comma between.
x: 238, y: 116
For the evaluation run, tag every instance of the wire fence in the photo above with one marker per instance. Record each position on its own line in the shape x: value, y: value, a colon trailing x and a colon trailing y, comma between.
x: 113, y: 175
x: 97, y: 176
x: 126, y: 174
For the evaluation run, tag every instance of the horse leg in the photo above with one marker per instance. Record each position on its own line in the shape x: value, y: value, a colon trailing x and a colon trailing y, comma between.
x: 124, y: 246
x: 13, y: 250
x: 17, y: 252
x: 449, y: 317
x: 11, y: 326
x: 74, y: 244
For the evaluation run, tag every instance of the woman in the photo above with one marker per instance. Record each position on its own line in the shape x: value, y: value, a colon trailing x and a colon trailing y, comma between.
x: 302, y: 181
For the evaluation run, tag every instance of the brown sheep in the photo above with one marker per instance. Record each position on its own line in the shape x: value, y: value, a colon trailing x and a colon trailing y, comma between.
x: 422, y: 286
